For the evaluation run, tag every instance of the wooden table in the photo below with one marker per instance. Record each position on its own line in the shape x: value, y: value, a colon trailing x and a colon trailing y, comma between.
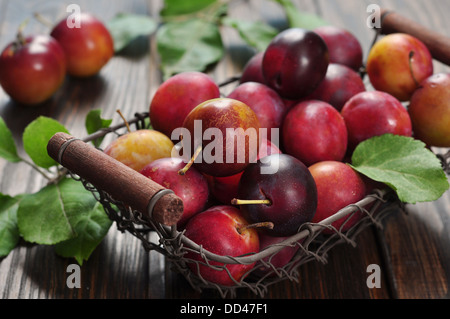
x: 413, y: 248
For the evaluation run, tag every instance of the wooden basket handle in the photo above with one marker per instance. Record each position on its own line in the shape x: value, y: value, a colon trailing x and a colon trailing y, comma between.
x: 121, y: 182
x: 438, y: 44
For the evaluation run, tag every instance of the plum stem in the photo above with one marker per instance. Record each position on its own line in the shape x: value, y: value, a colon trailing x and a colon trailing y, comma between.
x: 191, y: 161
x: 124, y: 120
x: 36, y: 168
x: 230, y: 80
x: 268, y: 225
x: 20, y: 37
x: 236, y: 201
x: 42, y: 20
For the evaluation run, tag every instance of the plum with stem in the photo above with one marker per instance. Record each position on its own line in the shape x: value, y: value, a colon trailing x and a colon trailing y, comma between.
x: 221, y: 230
x: 192, y: 187
x: 221, y: 136
x: 32, y: 68
x: 280, y: 189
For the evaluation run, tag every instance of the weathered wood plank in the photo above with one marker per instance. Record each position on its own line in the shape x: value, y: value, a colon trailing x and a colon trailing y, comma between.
x: 412, y: 250
x: 119, y: 267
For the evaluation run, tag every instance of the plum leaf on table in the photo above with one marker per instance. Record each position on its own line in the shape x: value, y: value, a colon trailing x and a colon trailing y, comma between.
x: 256, y: 34
x: 404, y: 164
x: 298, y: 19
x: 8, y: 149
x: 36, y: 136
x: 65, y: 215
x: 176, y: 7
x: 126, y: 27
x: 94, y: 122
x: 188, y: 45
x: 62, y: 213
x: 9, y: 233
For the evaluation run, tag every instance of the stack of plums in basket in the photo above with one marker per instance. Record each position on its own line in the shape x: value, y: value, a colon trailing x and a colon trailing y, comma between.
x: 254, y: 166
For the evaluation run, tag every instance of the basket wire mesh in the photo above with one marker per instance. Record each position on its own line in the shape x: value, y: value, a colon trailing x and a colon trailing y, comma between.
x: 310, y: 242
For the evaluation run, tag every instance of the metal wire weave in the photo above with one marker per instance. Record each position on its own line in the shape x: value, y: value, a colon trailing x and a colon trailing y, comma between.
x: 312, y: 243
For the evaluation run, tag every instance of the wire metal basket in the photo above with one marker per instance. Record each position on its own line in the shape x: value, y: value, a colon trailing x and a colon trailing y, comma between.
x: 312, y: 242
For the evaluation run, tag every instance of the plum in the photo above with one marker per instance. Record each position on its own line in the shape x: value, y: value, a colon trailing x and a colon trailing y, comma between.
x: 192, y: 187
x: 338, y: 185
x: 139, y: 148
x: 252, y: 71
x: 224, y: 189
x: 374, y: 113
x: 295, y: 62
x: 314, y: 131
x: 221, y: 230
x: 398, y: 63
x: 287, y: 196
x: 277, y: 260
x: 87, y: 48
x: 177, y: 96
x: 265, y: 102
x: 340, y: 84
x: 343, y: 46
x: 222, y: 135
x: 429, y: 110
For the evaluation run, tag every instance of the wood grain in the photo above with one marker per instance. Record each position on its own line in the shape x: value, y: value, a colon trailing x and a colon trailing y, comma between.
x: 412, y: 249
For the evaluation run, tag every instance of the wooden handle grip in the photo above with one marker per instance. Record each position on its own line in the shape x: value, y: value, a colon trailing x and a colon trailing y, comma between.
x: 120, y: 181
x: 438, y: 44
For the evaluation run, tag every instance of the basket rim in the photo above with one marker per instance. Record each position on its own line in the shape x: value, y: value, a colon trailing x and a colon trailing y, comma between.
x: 304, y: 230
x: 291, y: 240
x: 175, y: 245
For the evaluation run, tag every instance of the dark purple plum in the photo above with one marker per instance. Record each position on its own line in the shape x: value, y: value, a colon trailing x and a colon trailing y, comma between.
x: 295, y: 62
x: 224, y: 189
x: 253, y: 70
x: 339, y: 85
x: 278, y: 189
x: 343, y: 46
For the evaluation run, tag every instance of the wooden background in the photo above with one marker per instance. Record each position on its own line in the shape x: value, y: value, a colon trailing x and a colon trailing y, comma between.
x: 413, y: 249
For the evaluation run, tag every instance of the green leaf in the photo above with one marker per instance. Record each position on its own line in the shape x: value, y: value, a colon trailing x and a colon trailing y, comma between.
x: 8, y: 148
x: 36, y: 137
x: 181, y: 7
x: 126, y: 27
x: 46, y: 216
x: 190, y: 45
x: 95, y: 122
x: 404, y: 164
x: 43, y: 217
x: 9, y: 232
x: 298, y: 19
x: 257, y: 34
x: 65, y: 215
x: 91, y: 225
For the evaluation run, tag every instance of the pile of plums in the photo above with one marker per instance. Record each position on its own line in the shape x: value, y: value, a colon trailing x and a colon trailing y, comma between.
x: 33, y: 68
x: 256, y: 165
